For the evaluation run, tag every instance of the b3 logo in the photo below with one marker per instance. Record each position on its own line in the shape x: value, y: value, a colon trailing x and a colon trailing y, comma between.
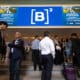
x: 40, y: 16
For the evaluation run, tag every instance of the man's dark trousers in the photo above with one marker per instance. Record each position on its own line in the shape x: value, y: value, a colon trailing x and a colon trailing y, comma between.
x: 15, y: 69
x: 36, y: 59
x: 47, y: 64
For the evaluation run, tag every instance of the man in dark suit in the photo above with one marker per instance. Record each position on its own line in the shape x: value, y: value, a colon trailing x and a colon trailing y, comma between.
x: 16, y: 56
x: 3, y: 27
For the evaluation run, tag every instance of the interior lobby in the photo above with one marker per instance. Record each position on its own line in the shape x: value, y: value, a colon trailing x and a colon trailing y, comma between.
x: 27, y: 72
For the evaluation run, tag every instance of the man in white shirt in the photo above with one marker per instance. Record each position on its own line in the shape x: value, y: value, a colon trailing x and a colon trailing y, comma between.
x: 36, y: 53
x: 47, y: 49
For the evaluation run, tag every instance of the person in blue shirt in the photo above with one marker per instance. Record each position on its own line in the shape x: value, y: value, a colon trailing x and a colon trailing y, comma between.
x: 68, y: 50
x: 36, y: 53
x: 16, y: 56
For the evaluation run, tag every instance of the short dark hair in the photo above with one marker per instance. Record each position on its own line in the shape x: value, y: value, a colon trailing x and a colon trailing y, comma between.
x: 67, y: 40
x: 36, y: 36
x: 55, y: 36
x: 4, y: 23
x: 46, y: 33
x: 74, y: 34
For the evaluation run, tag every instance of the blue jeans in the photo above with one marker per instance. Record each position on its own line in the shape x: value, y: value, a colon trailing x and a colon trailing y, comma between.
x: 14, y: 69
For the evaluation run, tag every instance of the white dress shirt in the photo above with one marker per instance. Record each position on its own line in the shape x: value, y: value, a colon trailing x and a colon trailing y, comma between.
x: 47, y: 46
x: 35, y: 44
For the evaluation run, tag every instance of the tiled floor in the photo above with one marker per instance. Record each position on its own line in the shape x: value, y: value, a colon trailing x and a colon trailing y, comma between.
x: 36, y: 75
x: 27, y: 72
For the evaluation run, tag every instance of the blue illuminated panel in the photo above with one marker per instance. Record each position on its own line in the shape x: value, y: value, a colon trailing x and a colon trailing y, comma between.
x: 41, y: 16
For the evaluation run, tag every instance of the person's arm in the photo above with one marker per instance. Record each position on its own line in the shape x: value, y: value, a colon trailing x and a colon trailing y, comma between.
x: 8, y: 52
x: 19, y: 45
x: 40, y: 46
x: 7, y: 59
x: 11, y: 44
x: 52, y: 48
x: 0, y: 39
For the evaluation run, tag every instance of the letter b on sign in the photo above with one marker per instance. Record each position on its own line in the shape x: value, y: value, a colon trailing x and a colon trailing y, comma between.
x: 39, y: 16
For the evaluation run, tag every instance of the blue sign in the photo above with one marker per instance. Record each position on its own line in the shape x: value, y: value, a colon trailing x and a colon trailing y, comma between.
x: 71, y: 15
x: 41, y: 16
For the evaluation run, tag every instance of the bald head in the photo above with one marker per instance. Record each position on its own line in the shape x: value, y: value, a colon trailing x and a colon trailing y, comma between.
x: 18, y: 35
